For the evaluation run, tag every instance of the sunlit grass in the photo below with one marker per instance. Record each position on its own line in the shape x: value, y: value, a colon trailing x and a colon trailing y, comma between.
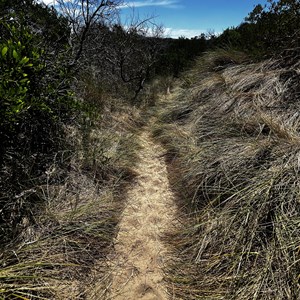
x: 232, y: 133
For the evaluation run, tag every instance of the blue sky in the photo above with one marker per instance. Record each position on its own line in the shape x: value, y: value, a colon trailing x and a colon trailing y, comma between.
x: 189, y: 18
x: 192, y: 17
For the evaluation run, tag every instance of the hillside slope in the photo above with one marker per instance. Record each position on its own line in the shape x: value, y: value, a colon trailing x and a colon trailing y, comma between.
x: 232, y: 133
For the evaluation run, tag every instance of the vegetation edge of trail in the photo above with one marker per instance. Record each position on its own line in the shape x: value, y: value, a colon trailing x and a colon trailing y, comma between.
x: 234, y: 152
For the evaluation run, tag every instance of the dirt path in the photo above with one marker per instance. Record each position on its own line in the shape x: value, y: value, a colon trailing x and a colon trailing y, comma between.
x: 149, y: 213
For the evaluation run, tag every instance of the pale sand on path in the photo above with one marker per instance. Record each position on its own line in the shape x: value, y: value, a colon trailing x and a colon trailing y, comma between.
x: 149, y: 214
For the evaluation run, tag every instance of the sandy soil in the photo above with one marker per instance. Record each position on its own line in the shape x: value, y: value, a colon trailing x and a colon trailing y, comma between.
x: 149, y: 213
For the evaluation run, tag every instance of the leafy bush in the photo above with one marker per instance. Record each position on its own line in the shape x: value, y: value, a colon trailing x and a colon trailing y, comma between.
x: 267, y: 31
x: 35, y: 104
x: 20, y: 65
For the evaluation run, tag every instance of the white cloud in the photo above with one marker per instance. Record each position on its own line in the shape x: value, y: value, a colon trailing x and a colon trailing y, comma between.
x: 144, y: 3
x: 47, y: 2
x: 188, y: 33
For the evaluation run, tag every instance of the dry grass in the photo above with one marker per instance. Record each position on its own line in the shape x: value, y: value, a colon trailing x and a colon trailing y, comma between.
x: 233, y: 136
x: 62, y: 252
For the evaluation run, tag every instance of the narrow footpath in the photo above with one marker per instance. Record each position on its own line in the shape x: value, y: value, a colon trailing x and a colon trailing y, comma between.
x: 149, y: 214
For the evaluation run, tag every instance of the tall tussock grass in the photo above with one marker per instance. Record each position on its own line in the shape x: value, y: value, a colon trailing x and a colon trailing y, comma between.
x: 61, y: 246
x: 233, y: 136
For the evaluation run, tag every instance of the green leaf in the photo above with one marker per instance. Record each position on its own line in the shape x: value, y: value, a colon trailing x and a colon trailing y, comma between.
x: 25, y: 80
x: 24, y: 60
x: 15, y: 54
x: 4, y: 51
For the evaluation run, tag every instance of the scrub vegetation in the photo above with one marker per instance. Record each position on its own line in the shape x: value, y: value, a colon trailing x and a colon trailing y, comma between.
x: 231, y: 127
x: 76, y: 88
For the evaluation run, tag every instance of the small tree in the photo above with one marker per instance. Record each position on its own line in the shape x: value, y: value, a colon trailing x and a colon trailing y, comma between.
x: 82, y: 15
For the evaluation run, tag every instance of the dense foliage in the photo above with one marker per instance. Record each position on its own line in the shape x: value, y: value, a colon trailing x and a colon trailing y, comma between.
x: 179, y: 54
x: 35, y: 102
x: 268, y: 30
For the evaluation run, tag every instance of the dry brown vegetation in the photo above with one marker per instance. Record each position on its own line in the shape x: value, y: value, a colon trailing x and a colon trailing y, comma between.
x: 232, y: 134
x: 62, y: 253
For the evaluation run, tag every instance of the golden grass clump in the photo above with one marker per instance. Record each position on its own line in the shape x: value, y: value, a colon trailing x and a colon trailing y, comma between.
x: 233, y: 136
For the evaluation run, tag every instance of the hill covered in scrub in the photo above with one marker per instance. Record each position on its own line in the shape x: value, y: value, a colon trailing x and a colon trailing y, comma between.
x: 232, y: 134
x: 80, y: 94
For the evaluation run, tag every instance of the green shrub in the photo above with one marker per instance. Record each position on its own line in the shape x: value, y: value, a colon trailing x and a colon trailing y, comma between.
x: 35, y: 104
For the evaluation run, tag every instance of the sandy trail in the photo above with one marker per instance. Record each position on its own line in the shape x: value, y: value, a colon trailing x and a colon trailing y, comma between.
x: 149, y: 213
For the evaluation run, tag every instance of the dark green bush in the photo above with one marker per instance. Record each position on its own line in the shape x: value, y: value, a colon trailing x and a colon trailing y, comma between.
x: 35, y: 104
x: 267, y: 31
